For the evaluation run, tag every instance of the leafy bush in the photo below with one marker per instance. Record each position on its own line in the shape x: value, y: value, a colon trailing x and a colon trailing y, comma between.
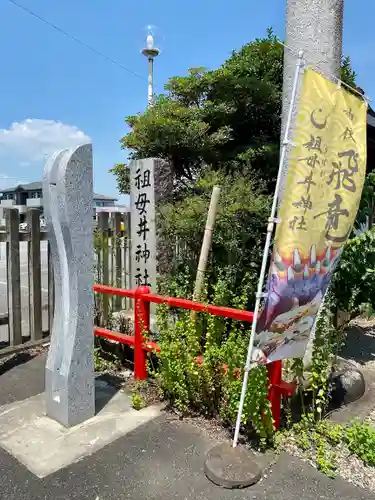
x: 104, y: 361
x: 137, y: 401
x: 353, y: 286
x: 360, y: 438
x: 319, y: 440
x: 238, y: 237
x: 366, y: 210
x: 200, y: 363
x: 333, y: 432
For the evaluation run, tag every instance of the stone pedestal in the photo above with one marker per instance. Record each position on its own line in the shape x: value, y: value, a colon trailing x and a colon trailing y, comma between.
x: 67, y: 197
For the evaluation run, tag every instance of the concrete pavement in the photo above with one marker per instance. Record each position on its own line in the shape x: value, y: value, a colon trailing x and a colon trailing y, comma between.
x: 160, y: 460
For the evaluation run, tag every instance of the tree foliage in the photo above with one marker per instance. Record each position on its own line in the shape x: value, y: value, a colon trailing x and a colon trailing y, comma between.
x: 122, y: 174
x: 238, y: 238
x: 228, y: 118
x: 348, y: 75
x: 354, y: 281
x: 219, y: 126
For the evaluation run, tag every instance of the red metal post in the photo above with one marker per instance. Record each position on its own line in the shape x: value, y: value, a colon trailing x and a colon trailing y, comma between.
x: 141, y: 328
x: 274, y: 394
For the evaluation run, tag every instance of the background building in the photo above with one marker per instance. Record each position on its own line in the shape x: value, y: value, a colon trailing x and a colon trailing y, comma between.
x: 30, y: 195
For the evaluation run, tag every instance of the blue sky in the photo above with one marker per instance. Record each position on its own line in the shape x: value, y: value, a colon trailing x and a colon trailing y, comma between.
x: 55, y: 92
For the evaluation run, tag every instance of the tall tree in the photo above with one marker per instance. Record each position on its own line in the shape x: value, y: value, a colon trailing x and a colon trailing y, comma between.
x: 228, y: 118
x: 220, y: 126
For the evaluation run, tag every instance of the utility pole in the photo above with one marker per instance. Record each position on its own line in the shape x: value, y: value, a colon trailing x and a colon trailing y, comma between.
x: 316, y: 28
x: 150, y: 52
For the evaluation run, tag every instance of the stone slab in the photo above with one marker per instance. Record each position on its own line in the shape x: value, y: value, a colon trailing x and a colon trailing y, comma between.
x: 44, y: 446
x: 232, y: 467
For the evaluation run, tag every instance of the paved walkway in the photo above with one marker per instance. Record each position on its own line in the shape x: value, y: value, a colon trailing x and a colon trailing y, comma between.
x: 162, y: 460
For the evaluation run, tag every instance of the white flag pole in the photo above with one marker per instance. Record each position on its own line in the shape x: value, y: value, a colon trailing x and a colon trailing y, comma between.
x: 270, y: 228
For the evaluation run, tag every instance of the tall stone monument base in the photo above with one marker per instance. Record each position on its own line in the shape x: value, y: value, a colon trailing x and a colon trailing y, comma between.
x: 67, y: 196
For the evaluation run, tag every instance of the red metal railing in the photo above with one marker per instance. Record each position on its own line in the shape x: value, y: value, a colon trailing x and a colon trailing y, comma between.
x: 142, y: 298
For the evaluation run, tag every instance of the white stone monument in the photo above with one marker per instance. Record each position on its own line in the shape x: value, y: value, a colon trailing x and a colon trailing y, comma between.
x: 67, y: 198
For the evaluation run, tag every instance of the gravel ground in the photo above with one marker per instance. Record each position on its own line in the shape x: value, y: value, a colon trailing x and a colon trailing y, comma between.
x: 349, y: 467
x: 360, y: 350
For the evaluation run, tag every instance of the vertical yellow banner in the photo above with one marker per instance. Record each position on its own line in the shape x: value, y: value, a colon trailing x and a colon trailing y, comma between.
x: 326, y: 172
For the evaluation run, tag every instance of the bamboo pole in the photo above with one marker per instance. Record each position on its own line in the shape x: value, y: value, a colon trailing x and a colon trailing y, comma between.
x: 206, y: 244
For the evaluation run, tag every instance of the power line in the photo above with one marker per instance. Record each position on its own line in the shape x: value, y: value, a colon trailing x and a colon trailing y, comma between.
x: 77, y: 40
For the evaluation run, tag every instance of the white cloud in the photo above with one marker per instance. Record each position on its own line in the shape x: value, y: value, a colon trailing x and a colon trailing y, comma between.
x: 27, y: 142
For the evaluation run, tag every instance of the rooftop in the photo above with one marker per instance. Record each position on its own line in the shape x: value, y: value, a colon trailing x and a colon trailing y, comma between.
x: 37, y: 186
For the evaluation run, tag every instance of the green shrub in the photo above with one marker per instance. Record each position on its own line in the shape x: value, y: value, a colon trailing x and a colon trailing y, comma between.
x: 104, y: 361
x: 238, y: 237
x: 353, y: 285
x: 319, y: 440
x: 211, y: 386
x: 360, y: 438
x: 333, y: 432
x: 316, y: 440
x: 138, y: 401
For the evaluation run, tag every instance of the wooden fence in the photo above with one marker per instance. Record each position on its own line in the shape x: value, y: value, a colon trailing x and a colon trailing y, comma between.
x: 26, y: 275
